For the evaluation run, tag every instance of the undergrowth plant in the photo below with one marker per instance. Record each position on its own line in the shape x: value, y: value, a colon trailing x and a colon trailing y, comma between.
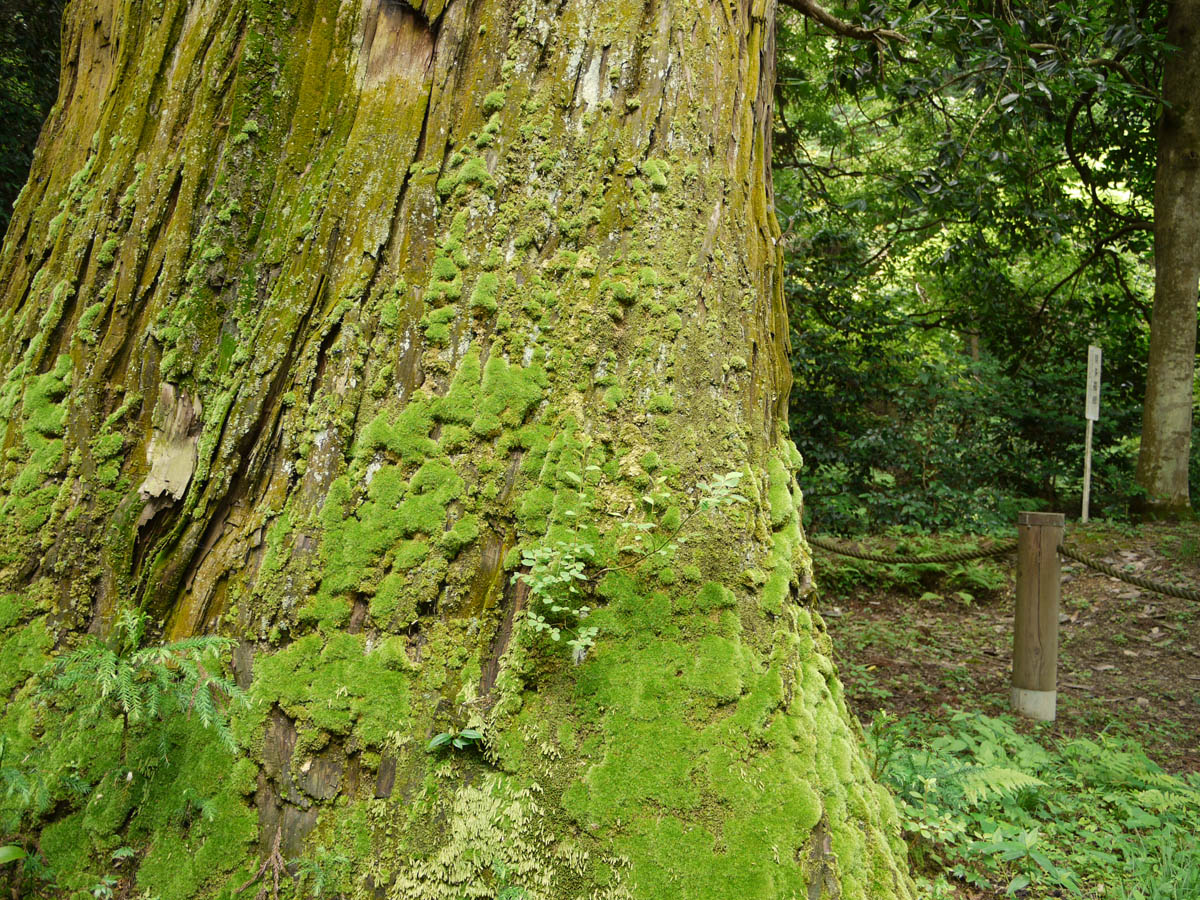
x: 997, y: 810
x: 323, y: 876
x: 561, y: 574
x: 459, y: 740
x: 113, y: 713
x: 121, y: 678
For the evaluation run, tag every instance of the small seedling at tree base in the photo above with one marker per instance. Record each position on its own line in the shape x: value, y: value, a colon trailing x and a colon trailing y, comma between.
x: 557, y: 573
x: 11, y: 853
x: 459, y: 740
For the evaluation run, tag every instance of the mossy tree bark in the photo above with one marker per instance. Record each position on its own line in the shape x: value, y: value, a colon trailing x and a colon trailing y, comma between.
x: 1167, y: 415
x: 316, y: 315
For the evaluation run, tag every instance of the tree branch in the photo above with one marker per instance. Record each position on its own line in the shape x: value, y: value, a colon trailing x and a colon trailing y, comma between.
x: 1099, y: 249
x: 812, y: 10
x: 1077, y: 161
x: 1112, y: 65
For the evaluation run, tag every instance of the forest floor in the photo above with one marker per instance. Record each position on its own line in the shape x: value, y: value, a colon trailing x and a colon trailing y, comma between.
x: 925, y: 642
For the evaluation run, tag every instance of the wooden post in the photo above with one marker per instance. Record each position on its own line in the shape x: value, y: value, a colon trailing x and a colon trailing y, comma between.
x: 1092, y: 414
x: 1035, y: 629
x: 1087, y: 471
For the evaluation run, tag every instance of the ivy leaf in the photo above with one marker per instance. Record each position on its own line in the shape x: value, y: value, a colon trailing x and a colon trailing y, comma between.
x: 11, y: 853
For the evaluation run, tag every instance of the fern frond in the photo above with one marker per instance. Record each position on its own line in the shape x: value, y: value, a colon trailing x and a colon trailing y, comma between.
x: 985, y: 782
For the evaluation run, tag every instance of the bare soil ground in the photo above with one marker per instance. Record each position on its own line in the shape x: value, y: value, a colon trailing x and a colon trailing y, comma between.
x: 1129, y: 659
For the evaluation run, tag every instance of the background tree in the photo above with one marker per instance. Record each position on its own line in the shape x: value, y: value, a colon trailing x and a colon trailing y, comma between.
x: 28, y: 84
x: 317, y: 320
x: 1170, y: 386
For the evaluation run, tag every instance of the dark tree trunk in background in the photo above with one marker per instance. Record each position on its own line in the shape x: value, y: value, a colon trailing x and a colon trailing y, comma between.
x: 1167, y: 416
x: 315, y: 315
x: 28, y: 85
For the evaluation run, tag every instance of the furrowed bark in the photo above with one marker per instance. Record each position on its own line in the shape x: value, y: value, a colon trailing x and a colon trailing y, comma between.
x: 315, y: 316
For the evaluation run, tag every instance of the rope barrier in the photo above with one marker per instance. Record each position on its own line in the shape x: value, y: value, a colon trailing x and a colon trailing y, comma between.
x: 1135, y: 580
x: 960, y: 556
x: 1001, y: 549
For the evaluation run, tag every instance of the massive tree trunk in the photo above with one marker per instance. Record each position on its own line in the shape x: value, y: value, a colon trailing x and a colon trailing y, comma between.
x: 316, y: 317
x: 1167, y: 416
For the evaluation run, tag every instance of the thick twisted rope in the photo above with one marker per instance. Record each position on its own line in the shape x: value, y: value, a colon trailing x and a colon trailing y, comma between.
x: 960, y: 556
x: 1001, y: 549
x: 1136, y: 580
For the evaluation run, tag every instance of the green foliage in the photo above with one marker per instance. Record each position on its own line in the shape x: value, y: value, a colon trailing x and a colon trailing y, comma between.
x: 28, y: 84
x: 108, y: 740
x: 556, y: 578
x: 997, y: 810
x: 11, y: 853
x: 459, y: 740
x: 325, y: 876
x: 964, y: 222
x: 139, y: 684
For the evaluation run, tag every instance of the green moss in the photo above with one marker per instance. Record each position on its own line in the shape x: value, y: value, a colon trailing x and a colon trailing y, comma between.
x: 460, y: 404
x: 455, y: 438
x: 718, y: 669
x: 657, y: 171
x: 437, y: 325
x: 409, y: 554
x: 464, y: 533
x: 393, y: 603
x: 108, y: 252
x: 45, y: 414
x: 508, y: 394
x: 661, y: 403
x: 355, y: 546
x: 199, y: 829
x: 326, y: 612
x: 23, y: 653
x: 564, y: 261
x: 408, y: 438
x: 779, y: 493
x: 475, y: 174
x: 334, y: 684
x: 444, y: 268
x: 445, y: 281
x: 775, y: 591
x: 715, y: 596
x: 493, y: 102
x: 483, y: 297
x: 66, y: 848
x: 107, y: 444
x: 621, y: 291
x: 87, y: 322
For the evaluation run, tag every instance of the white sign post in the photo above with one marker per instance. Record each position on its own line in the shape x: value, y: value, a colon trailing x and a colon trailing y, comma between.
x: 1092, y: 412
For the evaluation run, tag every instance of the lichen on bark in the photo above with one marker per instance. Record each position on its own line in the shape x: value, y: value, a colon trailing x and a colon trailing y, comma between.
x: 370, y: 274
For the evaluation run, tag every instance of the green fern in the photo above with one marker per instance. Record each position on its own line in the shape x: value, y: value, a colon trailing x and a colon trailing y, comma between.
x: 992, y: 808
x: 981, y: 783
x: 140, y: 684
